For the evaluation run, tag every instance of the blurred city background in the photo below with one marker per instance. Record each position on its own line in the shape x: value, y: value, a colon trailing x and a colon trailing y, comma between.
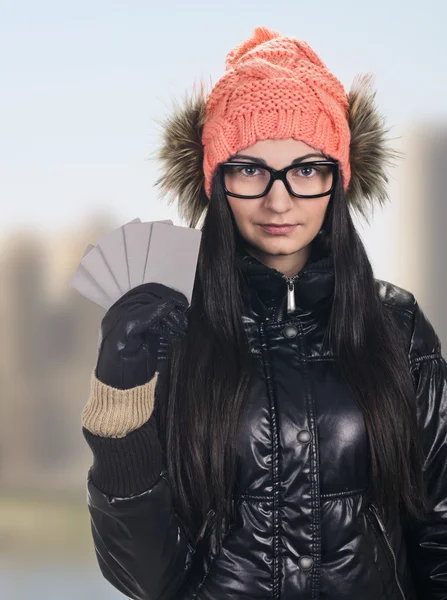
x: 83, y: 85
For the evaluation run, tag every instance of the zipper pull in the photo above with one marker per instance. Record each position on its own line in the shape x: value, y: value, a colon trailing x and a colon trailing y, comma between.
x: 291, y: 296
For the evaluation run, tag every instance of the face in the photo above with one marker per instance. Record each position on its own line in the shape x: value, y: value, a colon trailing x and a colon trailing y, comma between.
x: 286, y: 252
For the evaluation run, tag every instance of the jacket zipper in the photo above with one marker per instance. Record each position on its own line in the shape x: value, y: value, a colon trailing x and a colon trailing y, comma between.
x: 290, y: 297
x: 385, y: 536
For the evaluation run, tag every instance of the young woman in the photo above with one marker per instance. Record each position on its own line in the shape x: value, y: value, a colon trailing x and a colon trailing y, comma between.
x: 284, y: 436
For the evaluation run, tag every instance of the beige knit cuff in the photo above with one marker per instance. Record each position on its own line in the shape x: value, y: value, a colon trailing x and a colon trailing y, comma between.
x: 114, y: 413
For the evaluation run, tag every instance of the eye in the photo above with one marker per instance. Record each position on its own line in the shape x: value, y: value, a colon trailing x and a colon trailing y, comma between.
x: 306, y: 171
x: 246, y: 171
x: 249, y: 171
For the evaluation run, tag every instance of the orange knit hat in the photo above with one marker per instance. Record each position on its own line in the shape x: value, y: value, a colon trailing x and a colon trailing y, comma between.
x: 275, y: 87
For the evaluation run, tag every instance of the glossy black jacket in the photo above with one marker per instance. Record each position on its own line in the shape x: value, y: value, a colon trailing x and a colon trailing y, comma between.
x: 306, y: 528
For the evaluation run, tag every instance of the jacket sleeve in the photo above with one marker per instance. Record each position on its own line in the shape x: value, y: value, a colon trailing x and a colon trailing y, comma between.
x: 140, y: 545
x: 427, y: 541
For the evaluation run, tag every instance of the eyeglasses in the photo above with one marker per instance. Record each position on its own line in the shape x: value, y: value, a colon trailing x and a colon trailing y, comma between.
x: 302, y: 180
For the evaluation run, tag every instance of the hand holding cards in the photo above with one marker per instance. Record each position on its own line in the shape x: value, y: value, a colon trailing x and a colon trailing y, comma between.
x: 136, y: 331
x: 138, y: 253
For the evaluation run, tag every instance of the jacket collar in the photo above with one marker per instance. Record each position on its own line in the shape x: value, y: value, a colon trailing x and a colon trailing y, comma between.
x: 313, y: 286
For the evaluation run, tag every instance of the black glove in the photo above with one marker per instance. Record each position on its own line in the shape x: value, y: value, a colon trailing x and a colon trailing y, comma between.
x: 131, y: 331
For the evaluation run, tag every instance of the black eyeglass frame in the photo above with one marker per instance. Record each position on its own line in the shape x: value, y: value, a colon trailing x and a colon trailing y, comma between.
x: 279, y: 174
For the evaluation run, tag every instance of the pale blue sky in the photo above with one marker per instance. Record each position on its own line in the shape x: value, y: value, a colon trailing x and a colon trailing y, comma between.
x: 81, y: 84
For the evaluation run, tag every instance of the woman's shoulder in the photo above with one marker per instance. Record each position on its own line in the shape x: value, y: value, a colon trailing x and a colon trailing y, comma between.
x: 397, y: 298
x: 422, y: 339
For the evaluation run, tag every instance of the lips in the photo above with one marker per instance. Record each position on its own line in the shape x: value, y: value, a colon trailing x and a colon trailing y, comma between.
x: 278, y: 229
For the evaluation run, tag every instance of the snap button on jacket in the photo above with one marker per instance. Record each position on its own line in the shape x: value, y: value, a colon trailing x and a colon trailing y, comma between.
x: 306, y: 528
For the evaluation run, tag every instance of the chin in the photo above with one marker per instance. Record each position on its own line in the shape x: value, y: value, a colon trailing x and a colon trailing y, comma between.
x: 279, y: 247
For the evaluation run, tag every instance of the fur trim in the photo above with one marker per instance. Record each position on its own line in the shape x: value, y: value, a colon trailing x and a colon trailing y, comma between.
x: 181, y: 153
x: 181, y: 157
x: 370, y: 156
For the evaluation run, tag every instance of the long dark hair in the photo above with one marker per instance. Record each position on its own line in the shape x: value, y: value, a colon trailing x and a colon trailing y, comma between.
x: 200, y: 399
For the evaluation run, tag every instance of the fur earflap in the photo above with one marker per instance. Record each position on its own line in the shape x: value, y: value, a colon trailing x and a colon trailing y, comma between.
x: 181, y: 153
x: 181, y: 158
x: 370, y: 156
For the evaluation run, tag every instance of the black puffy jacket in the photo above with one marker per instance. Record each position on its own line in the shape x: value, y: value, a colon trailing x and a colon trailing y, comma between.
x: 306, y: 528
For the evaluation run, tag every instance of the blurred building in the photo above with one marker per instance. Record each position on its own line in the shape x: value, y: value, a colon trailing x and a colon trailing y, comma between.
x: 48, y: 348
x: 422, y: 244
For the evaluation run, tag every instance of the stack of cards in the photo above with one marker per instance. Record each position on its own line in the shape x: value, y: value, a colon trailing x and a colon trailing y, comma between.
x: 138, y: 253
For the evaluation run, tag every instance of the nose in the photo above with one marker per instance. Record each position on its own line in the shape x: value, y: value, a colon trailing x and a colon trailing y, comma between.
x: 278, y: 199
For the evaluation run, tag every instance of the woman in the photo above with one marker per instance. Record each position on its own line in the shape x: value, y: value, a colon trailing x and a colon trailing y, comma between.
x: 297, y: 447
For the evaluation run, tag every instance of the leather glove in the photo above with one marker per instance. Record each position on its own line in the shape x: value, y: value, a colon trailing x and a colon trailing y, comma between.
x: 131, y: 331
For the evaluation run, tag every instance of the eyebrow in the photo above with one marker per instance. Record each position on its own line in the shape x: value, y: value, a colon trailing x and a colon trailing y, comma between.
x: 263, y: 162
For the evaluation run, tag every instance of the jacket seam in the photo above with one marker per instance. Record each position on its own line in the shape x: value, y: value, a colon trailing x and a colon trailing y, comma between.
x: 269, y: 498
x: 317, y: 271
x: 425, y: 357
x: 253, y: 498
x: 314, y: 470
x: 275, y: 465
x: 343, y: 494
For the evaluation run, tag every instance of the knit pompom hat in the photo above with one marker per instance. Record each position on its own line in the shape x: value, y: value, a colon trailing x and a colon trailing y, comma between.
x: 275, y: 87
